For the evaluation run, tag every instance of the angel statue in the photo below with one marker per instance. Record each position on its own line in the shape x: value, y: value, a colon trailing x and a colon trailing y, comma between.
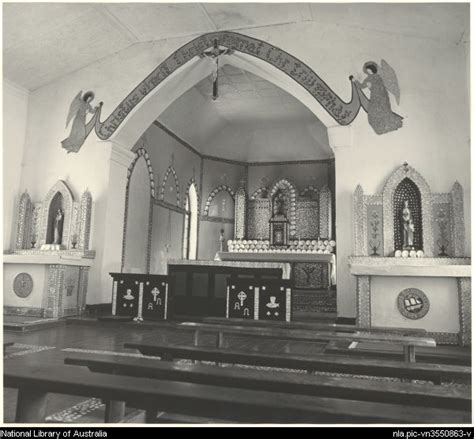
x: 380, y: 81
x: 78, y: 110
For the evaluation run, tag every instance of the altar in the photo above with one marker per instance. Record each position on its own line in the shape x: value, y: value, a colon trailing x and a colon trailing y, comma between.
x: 46, y: 273
x: 409, y: 259
x: 43, y: 285
x: 199, y: 288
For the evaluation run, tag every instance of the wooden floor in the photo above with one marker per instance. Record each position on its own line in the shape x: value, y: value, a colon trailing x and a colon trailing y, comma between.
x: 52, y: 345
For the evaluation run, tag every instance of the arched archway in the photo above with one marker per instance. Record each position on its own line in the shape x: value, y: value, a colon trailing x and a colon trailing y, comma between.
x: 186, y: 67
x: 140, y: 191
x: 134, y: 115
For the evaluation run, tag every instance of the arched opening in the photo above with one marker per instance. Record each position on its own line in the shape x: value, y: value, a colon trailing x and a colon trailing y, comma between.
x: 215, y: 159
x: 190, y: 234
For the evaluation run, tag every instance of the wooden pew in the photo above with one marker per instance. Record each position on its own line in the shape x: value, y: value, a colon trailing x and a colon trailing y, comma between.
x: 408, y: 342
x: 314, y: 326
x: 315, y: 363
x: 425, y: 395
x: 426, y: 355
x: 236, y: 405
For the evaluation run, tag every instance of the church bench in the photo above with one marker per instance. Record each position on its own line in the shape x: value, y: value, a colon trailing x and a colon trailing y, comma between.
x: 314, y: 326
x: 236, y: 405
x: 408, y: 342
x: 425, y: 355
x: 315, y: 363
x: 419, y: 394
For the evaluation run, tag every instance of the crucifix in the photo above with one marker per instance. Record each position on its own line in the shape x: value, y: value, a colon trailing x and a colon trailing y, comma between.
x: 214, y: 53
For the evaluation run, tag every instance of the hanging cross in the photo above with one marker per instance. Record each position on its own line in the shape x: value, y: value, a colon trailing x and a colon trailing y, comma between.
x: 214, y: 53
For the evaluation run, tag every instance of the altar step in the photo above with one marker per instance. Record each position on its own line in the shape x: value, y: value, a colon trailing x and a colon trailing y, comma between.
x: 315, y: 301
x: 26, y: 323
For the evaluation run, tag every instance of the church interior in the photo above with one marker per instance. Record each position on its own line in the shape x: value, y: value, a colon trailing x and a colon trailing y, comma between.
x: 236, y: 213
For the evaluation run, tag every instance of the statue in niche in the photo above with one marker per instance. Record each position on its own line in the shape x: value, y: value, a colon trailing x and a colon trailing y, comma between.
x: 78, y: 110
x: 278, y: 204
x: 380, y: 81
x: 221, y: 240
x: 408, y: 227
x: 58, y: 227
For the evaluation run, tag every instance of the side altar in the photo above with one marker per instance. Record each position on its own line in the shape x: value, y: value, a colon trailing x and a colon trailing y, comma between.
x: 46, y: 273
x: 409, y: 261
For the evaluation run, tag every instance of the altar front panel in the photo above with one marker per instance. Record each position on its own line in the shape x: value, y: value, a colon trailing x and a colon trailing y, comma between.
x: 198, y: 288
x: 442, y: 294
x: 34, y: 303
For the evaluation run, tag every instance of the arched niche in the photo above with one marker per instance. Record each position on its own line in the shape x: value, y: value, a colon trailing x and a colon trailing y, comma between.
x: 140, y: 190
x: 288, y: 191
x: 407, y: 196
x: 390, y: 208
x: 59, y: 191
x: 170, y: 189
x: 261, y: 192
x: 142, y: 152
x: 56, y: 205
x: 220, y: 193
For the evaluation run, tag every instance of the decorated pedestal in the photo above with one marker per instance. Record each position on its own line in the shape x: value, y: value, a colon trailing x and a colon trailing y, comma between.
x: 141, y: 296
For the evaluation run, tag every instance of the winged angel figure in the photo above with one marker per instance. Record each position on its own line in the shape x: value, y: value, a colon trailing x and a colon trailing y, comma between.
x: 78, y: 110
x: 380, y: 81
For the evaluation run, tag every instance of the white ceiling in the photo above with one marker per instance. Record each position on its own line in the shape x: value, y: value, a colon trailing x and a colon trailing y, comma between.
x: 246, y: 97
x: 45, y: 41
x: 252, y: 120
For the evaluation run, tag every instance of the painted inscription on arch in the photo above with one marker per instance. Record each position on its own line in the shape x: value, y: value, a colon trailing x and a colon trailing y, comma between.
x: 342, y: 112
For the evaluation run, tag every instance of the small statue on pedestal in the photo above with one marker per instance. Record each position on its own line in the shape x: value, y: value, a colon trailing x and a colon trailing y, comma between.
x: 221, y: 240
x: 58, y: 227
x: 408, y: 227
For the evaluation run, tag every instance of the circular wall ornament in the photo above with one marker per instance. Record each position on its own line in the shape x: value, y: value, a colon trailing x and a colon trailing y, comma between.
x: 23, y: 285
x: 413, y: 303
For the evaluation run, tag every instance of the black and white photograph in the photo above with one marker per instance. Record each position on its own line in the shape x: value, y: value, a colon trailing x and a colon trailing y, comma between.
x: 236, y: 214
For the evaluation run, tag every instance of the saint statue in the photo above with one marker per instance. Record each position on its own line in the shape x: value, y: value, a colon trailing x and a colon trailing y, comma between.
x: 78, y: 110
x: 221, y: 240
x: 278, y: 204
x: 58, y: 227
x: 380, y: 81
x: 408, y: 227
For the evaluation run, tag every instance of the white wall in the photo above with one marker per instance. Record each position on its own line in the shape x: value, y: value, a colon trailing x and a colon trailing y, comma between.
x: 271, y: 141
x: 15, y: 109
